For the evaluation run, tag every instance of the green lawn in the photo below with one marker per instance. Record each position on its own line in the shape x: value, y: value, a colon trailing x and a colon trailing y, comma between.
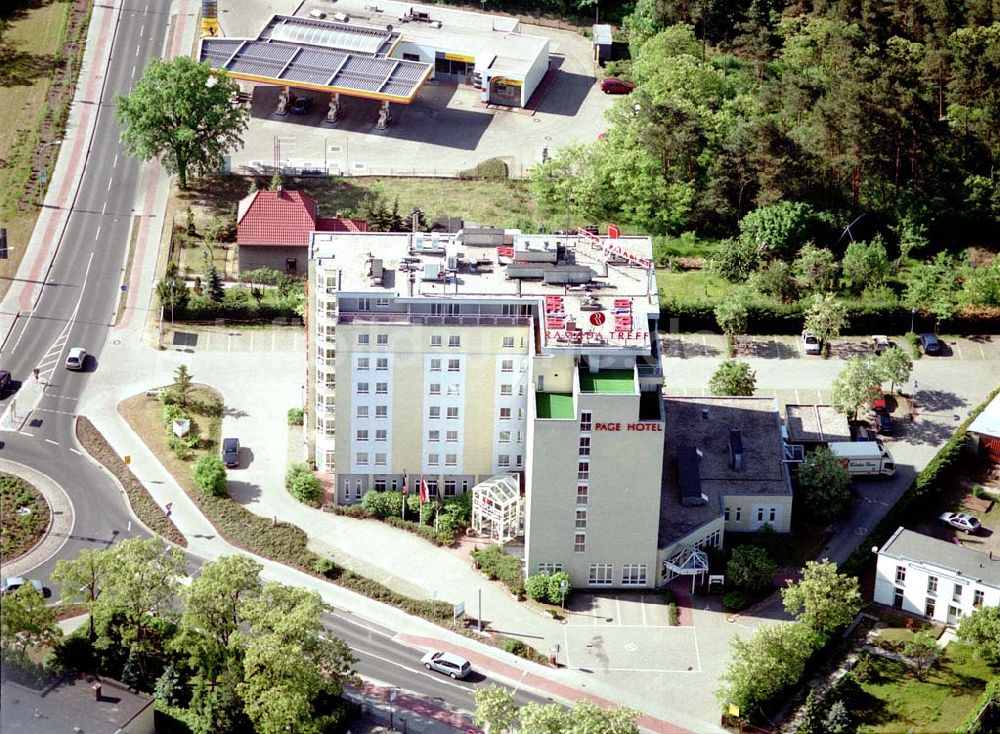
x: 690, y: 285
x: 555, y: 405
x: 898, y: 702
x: 619, y: 382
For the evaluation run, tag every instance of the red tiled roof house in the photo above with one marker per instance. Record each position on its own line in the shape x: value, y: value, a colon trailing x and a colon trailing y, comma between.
x: 273, y: 228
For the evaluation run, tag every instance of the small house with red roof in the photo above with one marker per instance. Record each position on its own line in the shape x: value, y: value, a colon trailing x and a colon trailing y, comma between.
x: 273, y: 230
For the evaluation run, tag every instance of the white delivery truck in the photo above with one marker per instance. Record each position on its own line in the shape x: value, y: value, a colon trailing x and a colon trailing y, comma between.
x: 864, y: 458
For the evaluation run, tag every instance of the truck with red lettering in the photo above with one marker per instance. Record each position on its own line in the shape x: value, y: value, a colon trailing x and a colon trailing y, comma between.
x: 864, y: 458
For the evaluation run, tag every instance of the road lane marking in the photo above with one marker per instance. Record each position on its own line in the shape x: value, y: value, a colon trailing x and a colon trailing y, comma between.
x: 115, y: 164
x: 411, y: 671
x: 104, y: 209
x: 54, y: 443
x: 110, y: 181
x: 98, y: 233
x: 142, y: 30
x: 133, y: 71
x: 137, y: 49
x: 25, y: 433
x: 78, y: 453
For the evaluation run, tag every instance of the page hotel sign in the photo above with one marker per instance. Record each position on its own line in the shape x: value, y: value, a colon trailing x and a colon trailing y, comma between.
x: 637, y: 427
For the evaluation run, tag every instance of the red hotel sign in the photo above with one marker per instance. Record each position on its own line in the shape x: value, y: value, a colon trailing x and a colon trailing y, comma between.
x: 615, y: 427
x: 597, y: 318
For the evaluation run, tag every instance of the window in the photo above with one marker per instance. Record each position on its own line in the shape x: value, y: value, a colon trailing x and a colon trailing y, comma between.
x: 582, y: 492
x: 435, y: 365
x: 772, y: 514
x: 634, y: 574
x: 381, y: 411
x: 452, y: 414
x: 506, y: 389
x: 364, y: 304
x: 382, y: 340
x: 518, y: 437
x: 434, y: 412
x: 434, y: 436
x: 435, y: 388
x: 518, y: 461
x: 465, y: 485
x: 549, y: 568
x: 362, y: 363
x: 362, y: 435
x: 362, y: 388
x: 432, y: 459
x: 760, y: 514
x: 932, y: 584
x: 379, y: 459
x: 507, y: 365
x: 586, y: 418
x: 601, y: 574
x: 929, y: 606
x: 381, y: 388
x: 739, y: 511
x: 382, y: 364
x: 503, y: 460
x: 381, y: 434
x: 363, y: 340
x: 956, y: 595
x: 579, y: 542
x: 978, y: 597
x: 449, y: 487
x: 584, y: 445
x: 380, y: 484
x: 581, y: 519
x: 900, y: 574
x: 362, y: 411
x: 505, y: 414
x: 520, y: 391
x: 453, y: 389
x: 504, y: 436
x: 436, y: 341
x: 451, y: 436
x: 432, y: 487
x: 508, y: 342
x: 383, y: 302
x: 362, y: 459
x: 727, y: 515
x: 357, y: 490
x: 451, y: 459
x: 583, y: 470
x: 454, y: 365
x: 454, y: 341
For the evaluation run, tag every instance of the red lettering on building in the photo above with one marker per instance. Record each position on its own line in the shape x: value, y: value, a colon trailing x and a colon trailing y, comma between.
x: 645, y: 427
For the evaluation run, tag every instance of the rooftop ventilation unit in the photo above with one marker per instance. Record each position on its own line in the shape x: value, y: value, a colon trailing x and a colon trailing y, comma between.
x: 432, y: 271
x: 736, y: 449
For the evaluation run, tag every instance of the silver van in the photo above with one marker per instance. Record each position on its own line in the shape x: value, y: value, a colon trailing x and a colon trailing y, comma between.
x: 447, y: 663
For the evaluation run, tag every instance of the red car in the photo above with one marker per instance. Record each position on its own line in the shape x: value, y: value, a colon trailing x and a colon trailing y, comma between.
x: 612, y: 85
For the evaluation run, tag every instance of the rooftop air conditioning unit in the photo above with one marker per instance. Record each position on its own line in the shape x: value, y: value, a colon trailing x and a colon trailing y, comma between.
x: 432, y: 271
x: 342, y: 17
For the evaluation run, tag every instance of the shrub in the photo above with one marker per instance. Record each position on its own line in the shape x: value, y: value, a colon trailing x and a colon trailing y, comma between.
x: 210, y: 475
x: 751, y: 568
x: 375, y: 505
x: 673, y: 615
x: 497, y: 565
x: 180, y: 447
x: 513, y: 646
x: 326, y: 567
x: 556, y: 581
x: 537, y: 587
x: 296, y: 416
x: 172, y: 412
x: 734, y: 601
x: 303, y: 484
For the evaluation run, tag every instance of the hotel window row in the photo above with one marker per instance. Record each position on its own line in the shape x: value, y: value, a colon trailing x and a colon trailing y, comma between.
x: 381, y: 340
x: 453, y: 340
x: 454, y: 365
x: 381, y: 364
x: 603, y: 574
x: 381, y: 411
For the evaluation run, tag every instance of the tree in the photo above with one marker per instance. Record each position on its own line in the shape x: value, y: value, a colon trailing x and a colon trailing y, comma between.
x: 210, y: 475
x: 733, y: 377
x: 173, y: 293
x: 865, y: 264
x: 182, y: 386
x: 815, y: 269
x: 750, y: 568
x: 213, y: 281
x: 495, y: 708
x: 823, y: 600
x: 855, y: 385
x: 775, y: 280
x: 931, y: 287
x: 824, y: 485
x: 922, y: 650
x: 894, y: 365
x: 777, y: 230
x: 731, y: 314
x: 292, y: 669
x: 981, y: 629
x: 826, y: 317
x: 26, y: 621
x: 736, y: 260
x: 277, y: 182
x: 81, y: 580
x: 303, y: 484
x: 772, y: 659
x: 184, y: 113
x: 838, y: 720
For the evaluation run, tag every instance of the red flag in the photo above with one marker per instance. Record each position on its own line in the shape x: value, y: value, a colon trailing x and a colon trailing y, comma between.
x: 613, y: 231
x: 423, y: 491
x: 406, y: 490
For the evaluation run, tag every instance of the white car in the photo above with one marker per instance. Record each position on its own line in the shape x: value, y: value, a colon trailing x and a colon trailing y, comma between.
x: 881, y: 343
x: 811, y: 344
x: 447, y: 663
x: 961, y: 521
x: 12, y: 584
x: 76, y: 358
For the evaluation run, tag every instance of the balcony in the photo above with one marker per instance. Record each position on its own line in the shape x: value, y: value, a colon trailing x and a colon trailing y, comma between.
x: 401, y: 317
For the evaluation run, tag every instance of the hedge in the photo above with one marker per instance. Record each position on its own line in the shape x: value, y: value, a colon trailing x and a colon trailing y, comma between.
x: 786, y: 318
x: 991, y: 697
x: 924, y: 483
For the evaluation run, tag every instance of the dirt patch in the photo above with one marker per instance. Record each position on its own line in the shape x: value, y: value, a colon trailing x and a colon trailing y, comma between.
x: 24, y: 514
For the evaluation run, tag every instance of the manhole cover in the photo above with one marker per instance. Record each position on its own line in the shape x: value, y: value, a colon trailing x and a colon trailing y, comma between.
x: 116, y: 342
x: 861, y: 531
x: 631, y: 647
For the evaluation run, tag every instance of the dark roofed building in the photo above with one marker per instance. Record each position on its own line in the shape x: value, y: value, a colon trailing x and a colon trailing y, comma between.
x: 273, y: 230
x: 73, y: 704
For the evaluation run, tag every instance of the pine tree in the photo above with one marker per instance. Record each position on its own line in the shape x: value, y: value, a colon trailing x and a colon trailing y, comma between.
x: 214, y: 283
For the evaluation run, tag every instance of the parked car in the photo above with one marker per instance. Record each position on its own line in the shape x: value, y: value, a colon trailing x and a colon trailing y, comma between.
x: 447, y: 663
x: 4, y: 382
x: 231, y: 452
x: 881, y: 343
x: 811, y: 344
x: 930, y: 344
x: 884, y: 423
x: 300, y: 105
x: 12, y: 584
x: 76, y: 358
x: 613, y: 85
x: 960, y: 521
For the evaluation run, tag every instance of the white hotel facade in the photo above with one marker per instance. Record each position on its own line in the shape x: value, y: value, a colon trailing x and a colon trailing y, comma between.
x: 496, y: 358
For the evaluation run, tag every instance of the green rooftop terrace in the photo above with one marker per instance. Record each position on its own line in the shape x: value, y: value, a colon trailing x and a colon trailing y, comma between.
x: 554, y: 405
x: 607, y: 381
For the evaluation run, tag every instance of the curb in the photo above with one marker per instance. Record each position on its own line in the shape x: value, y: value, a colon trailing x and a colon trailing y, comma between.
x: 47, y: 487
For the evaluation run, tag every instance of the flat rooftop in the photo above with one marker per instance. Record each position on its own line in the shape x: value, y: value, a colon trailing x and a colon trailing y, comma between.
x: 763, y: 471
x: 908, y: 545
x: 815, y: 424
x: 554, y: 405
x: 69, y: 706
x: 615, y: 382
x: 591, y: 291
